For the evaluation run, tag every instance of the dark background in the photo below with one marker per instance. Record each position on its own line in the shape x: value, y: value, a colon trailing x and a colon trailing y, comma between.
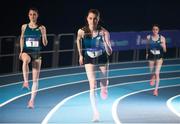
x: 65, y: 16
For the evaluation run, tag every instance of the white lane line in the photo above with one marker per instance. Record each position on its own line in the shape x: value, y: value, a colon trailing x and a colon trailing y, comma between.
x: 121, y: 63
x: 43, y: 70
x: 54, y: 69
x: 60, y: 104
x: 42, y: 89
x: 65, y: 75
x: 115, y: 104
x: 170, y: 106
x: 50, y: 77
x: 49, y: 115
x: 19, y: 96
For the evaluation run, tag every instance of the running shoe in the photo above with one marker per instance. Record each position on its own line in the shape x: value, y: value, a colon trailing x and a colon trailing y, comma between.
x: 155, y: 92
x: 25, y: 85
x: 104, y: 90
x: 152, y: 81
x: 30, y: 104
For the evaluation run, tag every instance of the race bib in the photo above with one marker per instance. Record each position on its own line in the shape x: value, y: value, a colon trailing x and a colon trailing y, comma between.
x: 32, y: 42
x: 94, y: 54
x: 155, y: 52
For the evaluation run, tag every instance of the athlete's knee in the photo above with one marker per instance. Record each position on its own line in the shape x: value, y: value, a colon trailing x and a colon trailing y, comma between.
x: 26, y: 60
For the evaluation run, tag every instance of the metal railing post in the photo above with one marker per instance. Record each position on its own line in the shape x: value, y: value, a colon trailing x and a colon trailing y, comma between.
x: 75, y: 52
x: 56, y: 53
x: 16, y: 56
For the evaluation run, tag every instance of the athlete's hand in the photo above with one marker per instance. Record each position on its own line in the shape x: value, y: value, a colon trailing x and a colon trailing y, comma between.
x: 81, y: 60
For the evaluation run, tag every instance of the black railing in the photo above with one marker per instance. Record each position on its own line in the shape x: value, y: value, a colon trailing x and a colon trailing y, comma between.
x: 61, y: 52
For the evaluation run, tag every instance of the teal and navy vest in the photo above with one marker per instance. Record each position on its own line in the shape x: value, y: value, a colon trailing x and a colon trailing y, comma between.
x: 32, y: 39
x: 93, y: 43
x: 155, y: 45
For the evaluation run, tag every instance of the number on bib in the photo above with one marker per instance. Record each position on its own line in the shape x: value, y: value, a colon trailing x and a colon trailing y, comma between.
x: 32, y: 43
